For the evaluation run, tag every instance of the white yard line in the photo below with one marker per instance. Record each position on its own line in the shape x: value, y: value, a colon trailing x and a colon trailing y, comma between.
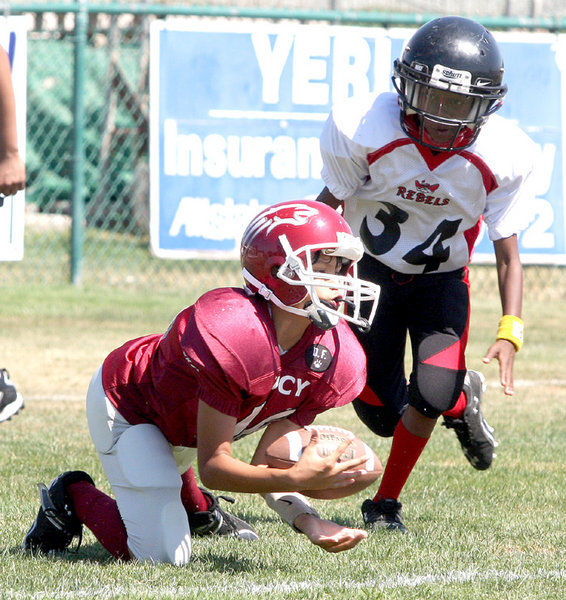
x: 243, y: 587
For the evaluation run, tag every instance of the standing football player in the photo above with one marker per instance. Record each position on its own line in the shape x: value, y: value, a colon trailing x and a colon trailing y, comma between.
x: 416, y: 172
x: 274, y: 355
x: 12, y: 179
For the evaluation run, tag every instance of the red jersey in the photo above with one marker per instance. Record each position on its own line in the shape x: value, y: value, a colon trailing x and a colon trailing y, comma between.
x: 223, y: 350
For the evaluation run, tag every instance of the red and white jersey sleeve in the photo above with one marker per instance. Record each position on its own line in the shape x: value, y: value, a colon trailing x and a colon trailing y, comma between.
x: 418, y: 211
x: 223, y: 351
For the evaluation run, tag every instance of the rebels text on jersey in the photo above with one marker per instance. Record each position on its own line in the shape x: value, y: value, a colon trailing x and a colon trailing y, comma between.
x: 419, y: 211
x: 223, y: 350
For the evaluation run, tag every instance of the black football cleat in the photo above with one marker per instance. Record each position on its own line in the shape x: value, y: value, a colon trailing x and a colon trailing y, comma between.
x: 56, y: 523
x: 474, y: 433
x: 11, y: 401
x: 383, y: 514
x: 215, y: 521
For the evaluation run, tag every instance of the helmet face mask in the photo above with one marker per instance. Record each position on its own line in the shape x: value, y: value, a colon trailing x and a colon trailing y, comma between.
x: 279, y: 252
x: 449, y: 80
x: 299, y: 270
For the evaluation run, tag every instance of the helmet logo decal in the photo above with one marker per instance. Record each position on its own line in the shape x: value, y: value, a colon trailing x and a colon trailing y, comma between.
x: 267, y: 221
x: 450, y: 79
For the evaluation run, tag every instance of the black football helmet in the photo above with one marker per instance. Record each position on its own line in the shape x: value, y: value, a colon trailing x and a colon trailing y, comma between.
x: 449, y: 80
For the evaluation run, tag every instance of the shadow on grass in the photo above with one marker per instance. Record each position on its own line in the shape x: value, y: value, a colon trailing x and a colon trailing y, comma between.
x: 220, y: 554
x: 217, y: 559
x: 220, y: 561
x: 209, y: 560
x: 86, y: 553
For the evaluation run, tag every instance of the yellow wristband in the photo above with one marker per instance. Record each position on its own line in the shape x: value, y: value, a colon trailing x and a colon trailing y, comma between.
x: 511, y: 329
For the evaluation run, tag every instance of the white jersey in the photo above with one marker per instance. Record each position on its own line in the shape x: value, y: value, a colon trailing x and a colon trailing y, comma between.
x: 418, y: 211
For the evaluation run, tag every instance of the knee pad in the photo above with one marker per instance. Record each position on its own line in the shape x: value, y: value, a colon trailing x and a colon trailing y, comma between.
x: 148, y: 493
x: 158, y: 527
x: 382, y: 420
x: 439, y: 377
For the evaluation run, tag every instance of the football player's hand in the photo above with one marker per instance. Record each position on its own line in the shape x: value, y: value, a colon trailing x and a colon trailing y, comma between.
x: 504, y: 352
x: 315, y: 472
x: 12, y: 175
x: 329, y: 535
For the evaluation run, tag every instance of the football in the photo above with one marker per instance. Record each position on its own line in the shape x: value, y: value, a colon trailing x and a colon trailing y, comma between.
x: 286, y: 451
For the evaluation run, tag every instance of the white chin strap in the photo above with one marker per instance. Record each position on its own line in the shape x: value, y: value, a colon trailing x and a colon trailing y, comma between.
x: 324, y: 318
x: 269, y: 295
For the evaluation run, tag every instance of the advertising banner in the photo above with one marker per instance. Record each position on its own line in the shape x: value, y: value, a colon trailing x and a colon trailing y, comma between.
x: 236, y: 113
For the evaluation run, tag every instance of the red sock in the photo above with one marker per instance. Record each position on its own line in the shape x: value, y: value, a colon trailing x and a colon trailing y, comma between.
x: 191, y: 495
x: 405, y: 452
x: 100, y: 514
x: 458, y: 409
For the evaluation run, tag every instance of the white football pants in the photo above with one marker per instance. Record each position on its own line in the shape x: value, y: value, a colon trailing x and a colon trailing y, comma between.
x: 143, y: 470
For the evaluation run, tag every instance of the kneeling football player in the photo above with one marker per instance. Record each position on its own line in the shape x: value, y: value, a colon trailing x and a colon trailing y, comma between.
x: 274, y: 354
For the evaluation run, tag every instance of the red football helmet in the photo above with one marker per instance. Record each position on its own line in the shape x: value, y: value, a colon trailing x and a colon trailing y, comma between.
x: 277, y: 261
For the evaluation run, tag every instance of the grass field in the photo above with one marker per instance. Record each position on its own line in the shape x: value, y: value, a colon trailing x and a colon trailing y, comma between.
x: 499, y: 534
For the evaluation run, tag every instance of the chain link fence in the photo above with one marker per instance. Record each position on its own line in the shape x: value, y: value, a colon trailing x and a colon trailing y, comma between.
x: 478, y: 8
x: 116, y: 216
x: 471, y: 8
